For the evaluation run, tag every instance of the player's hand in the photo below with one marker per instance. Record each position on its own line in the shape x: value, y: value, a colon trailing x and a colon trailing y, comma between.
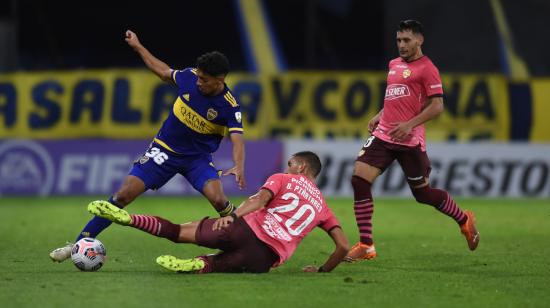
x: 238, y: 171
x: 222, y: 222
x: 401, y: 131
x: 132, y: 39
x: 373, y: 123
x: 310, y: 269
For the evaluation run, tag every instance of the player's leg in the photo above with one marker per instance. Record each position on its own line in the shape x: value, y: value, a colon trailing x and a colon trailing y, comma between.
x: 130, y: 189
x: 242, y: 251
x: 206, y: 179
x: 153, y: 225
x: 213, y: 191
x: 148, y: 172
x: 363, y: 205
x: 373, y: 158
x: 416, y: 166
x: 145, y: 174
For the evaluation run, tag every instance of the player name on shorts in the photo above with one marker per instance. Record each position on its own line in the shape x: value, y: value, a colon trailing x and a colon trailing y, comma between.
x: 394, y: 91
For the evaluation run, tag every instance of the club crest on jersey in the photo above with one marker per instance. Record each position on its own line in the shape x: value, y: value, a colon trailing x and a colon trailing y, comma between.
x: 211, y: 114
x: 406, y: 73
x: 143, y: 159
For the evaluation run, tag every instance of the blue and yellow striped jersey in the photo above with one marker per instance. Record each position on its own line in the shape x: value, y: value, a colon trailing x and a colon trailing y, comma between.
x: 198, y: 123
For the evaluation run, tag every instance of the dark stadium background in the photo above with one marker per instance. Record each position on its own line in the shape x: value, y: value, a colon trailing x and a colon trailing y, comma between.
x: 314, y: 34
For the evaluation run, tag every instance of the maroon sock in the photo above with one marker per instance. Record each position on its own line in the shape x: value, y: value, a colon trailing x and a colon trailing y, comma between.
x: 441, y: 200
x: 207, y: 265
x: 364, y: 208
x: 156, y: 226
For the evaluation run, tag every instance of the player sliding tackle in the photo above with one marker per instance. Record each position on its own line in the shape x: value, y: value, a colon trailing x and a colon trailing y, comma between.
x: 262, y: 233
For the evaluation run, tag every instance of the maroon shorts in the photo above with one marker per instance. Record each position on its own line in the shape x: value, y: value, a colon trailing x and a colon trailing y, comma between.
x: 380, y: 154
x: 241, y: 251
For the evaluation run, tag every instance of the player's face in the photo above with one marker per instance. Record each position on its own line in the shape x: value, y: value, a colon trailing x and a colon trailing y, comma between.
x: 209, y: 85
x: 295, y: 166
x: 408, y: 44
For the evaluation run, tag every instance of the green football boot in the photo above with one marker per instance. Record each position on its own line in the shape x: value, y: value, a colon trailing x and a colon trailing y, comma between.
x: 108, y: 211
x: 174, y: 264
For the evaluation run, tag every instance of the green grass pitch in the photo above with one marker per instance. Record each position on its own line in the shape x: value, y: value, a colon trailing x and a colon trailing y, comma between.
x: 423, y: 260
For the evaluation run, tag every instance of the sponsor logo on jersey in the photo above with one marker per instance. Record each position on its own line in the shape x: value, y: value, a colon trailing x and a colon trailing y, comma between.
x: 195, y: 121
x: 392, y: 72
x: 406, y: 73
x: 211, y: 114
x: 394, y: 91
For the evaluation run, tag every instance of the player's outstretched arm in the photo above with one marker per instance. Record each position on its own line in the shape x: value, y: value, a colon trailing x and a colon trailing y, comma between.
x: 238, y: 159
x: 340, y: 251
x: 158, y: 67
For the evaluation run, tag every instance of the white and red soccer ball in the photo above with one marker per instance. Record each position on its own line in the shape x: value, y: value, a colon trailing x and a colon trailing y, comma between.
x: 88, y: 254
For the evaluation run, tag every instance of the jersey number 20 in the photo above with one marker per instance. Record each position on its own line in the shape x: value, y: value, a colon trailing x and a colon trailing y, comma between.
x: 303, y: 210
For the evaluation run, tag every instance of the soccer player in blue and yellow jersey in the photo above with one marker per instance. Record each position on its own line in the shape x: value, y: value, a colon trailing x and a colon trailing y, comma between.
x: 204, y: 111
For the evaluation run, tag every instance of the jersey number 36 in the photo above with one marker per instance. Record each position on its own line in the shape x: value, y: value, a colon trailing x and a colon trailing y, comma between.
x: 158, y: 157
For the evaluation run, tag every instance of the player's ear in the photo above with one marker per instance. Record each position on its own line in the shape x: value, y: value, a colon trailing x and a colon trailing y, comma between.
x: 420, y: 38
x: 302, y: 167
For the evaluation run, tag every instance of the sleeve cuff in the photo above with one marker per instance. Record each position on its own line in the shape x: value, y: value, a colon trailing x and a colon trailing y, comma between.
x: 237, y: 130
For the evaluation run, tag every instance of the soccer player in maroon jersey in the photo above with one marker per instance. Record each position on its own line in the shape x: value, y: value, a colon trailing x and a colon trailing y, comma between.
x: 414, y: 95
x: 262, y: 233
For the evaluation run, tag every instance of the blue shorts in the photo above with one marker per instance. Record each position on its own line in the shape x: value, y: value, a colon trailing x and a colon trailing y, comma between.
x: 158, y: 165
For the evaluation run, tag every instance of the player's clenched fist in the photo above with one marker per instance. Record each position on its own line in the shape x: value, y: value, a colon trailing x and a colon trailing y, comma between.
x: 131, y: 39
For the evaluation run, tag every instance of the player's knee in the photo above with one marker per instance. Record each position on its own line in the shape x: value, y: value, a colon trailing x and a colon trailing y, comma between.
x: 421, y: 194
x: 124, y: 197
x: 358, y: 182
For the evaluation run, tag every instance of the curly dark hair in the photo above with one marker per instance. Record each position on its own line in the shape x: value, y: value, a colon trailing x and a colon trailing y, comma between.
x: 213, y: 63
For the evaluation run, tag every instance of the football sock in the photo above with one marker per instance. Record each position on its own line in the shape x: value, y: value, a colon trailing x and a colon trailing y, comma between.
x: 96, y: 224
x: 441, y: 200
x: 227, y: 210
x: 207, y: 266
x: 156, y: 226
x: 364, y: 208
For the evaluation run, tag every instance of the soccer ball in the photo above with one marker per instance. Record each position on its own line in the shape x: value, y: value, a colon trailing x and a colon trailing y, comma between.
x: 88, y: 254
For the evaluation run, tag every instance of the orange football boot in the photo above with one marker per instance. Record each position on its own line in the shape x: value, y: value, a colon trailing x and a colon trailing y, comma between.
x: 361, y: 251
x: 469, y: 230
